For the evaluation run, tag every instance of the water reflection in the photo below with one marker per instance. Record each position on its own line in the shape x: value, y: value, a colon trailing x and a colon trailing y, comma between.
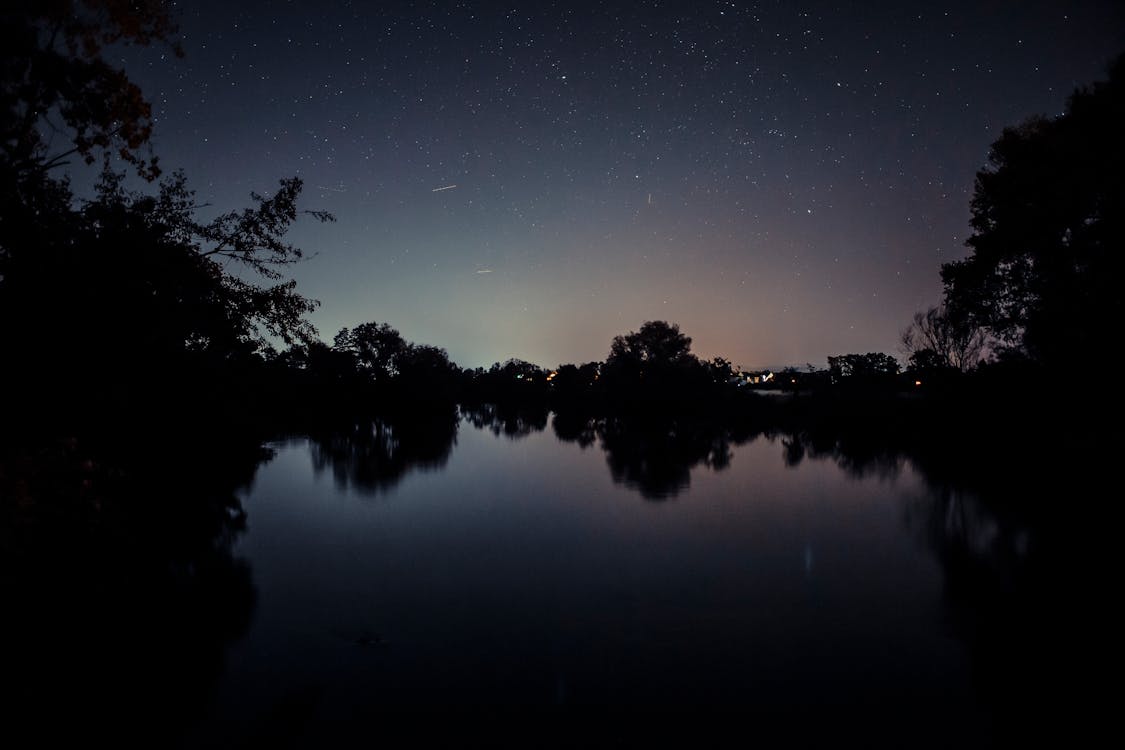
x: 801, y: 600
x: 119, y: 586
x: 857, y: 455
x: 511, y: 421
x: 1023, y: 570
x: 656, y: 459
x: 372, y: 457
x: 1013, y: 565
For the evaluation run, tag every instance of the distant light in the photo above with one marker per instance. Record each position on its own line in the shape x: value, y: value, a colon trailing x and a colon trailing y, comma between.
x: 917, y: 382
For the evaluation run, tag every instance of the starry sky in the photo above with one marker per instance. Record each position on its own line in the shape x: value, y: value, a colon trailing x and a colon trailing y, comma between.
x: 782, y: 179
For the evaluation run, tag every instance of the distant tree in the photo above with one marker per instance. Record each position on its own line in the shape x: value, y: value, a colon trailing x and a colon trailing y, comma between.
x: 514, y: 381
x: 656, y: 343
x: 720, y: 370
x: 325, y: 363
x: 862, y: 367
x: 791, y: 378
x: 654, y: 362
x: 928, y: 361
x: 940, y: 340
x: 427, y: 370
x: 378, y: 349
x: 517, y: 370
x: 1048, y: 219
x: 571, y: 381
x: 54, y: 80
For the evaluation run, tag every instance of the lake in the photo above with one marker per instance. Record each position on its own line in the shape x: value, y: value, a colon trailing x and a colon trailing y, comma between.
x: 492, y: 576
x: 501, y: 570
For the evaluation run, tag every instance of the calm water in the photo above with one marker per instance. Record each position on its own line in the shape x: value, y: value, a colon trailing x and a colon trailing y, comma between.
x: 507, y: 571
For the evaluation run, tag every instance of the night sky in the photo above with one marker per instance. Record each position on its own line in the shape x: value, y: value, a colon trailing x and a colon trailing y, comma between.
x: 782, y: 179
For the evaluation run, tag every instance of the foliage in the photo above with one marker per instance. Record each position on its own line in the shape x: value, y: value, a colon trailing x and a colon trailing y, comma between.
x: 380, y: 355
x: 656, y: 343
x: 720, y: 370
x: 928, y: 361
x: 862, y: 366
x: 574, y: 381
x: 54, y: 80
x: 377, y: 348
x: 937, y: 340
x: 122, y: 294
x: 252, y: 238
x: 518, y: 370
x: 1048, y: 219
x: 654, y: 363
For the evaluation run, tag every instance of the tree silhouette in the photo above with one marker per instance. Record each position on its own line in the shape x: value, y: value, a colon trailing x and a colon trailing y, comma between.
x: 373, y: 457
x: 1048, y: 219
x: 124, y: 296
x: 862, y: 365
x: 426, y: 372
x: 936, y: 339
x: 252, y: 237
x: 572, y: 382
x: 656, y: 343
x: 654, y: 363
x: 377, y: 347
x: 54, y: 79
x: 654, y: 456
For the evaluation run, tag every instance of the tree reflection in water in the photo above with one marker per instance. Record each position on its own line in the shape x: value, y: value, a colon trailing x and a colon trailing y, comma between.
x: 655, y: 457
x: 1023, y: 565
x: 1021, y: 574
x: 373, y: 457
x: 119, y: 586
x: 512, y: 422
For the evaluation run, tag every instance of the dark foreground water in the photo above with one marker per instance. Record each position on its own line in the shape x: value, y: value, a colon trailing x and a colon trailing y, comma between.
x: 520, y: 576
x: 579, y: 583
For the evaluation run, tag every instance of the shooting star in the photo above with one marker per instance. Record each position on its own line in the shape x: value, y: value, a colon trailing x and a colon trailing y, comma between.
x: 333, y: 189
x: 484, y: 270
x: 447, y: 187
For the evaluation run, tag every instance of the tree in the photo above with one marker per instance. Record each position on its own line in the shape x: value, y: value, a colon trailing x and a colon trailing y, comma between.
x: 571, y: 381
x: 862, y: 367
x: 656, y: 343
x: 654, y: 363
x: 928, y: 361
x: 426, y: 370
x: 1048, y: 219
x: 377, y: 347
x: 54, y: 80
x: 938, y: 340
x: 252, y: 238
x: 126, y: 294
x: 519, y: 371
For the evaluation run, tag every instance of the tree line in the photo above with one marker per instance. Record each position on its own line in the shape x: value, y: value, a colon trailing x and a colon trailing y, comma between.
x: 127, y: 301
